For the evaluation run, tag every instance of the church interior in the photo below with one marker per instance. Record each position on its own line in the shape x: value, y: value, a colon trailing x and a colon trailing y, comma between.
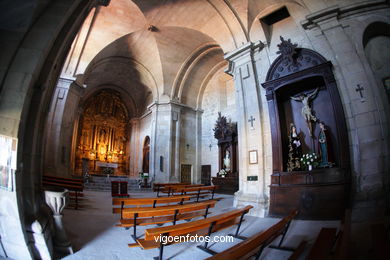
x: 119, y: 118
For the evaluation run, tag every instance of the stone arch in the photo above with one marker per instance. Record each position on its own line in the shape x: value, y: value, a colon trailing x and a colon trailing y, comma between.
x: 33, y: 99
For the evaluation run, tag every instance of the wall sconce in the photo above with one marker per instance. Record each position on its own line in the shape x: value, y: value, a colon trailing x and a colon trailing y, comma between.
x: 188, y: 146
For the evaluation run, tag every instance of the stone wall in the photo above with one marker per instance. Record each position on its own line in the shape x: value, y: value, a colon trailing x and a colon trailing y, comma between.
x: 219, y: 96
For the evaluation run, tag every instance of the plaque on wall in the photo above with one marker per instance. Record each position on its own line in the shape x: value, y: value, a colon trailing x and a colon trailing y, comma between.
x: 253, y: 157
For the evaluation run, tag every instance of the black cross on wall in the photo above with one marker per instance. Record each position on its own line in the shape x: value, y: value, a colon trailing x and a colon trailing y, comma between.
x: 251, y: 119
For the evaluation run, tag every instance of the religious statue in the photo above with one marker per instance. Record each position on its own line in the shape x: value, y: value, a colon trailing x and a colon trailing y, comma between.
x: 294, y: 150
x: 226, y: 161
x: 324, y: 147
x: 102, y: 144
x: 306, y: 111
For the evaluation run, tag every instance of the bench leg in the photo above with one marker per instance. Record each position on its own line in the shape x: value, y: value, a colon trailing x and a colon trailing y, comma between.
x: 175, y: 217
x: 258, y: 254
x: 158, y: 191
x: 197, y: 198
x: 204, y: 248
x: 280, y: 247
x: 134, y: 236
x: 238, y: 229
x: 207, y: 211
x: 212, y: 194
x: 161, y: 249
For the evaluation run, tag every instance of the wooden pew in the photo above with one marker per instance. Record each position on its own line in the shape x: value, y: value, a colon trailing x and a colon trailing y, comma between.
x: 254, y: 245
x: 75, y: 186
x: 203, y: 227
x: 169, y: 188
x: 133, y: 217
x: 138, y: 202
x: 196, y: 192
x: 157, y: 186
x: 327, y: 239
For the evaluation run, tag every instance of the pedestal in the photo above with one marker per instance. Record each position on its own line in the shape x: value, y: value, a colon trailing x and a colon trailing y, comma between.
x: 226, y: 185
x: 56, y: 200
x: 317, y: 194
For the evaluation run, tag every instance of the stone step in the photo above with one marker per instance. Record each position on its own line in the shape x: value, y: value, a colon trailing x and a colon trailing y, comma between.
x: 102, y: 183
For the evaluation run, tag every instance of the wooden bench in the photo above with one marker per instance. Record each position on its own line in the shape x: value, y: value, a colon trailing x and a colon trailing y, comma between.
x: 195, y: 192
x: 138, y: 202
x: 254, y: 245
x: 75, y: 186
x: 157, y: 186
x: 203, y: 227
x: 328, y: 238
x: 133, y: 217
x: 169, y: 188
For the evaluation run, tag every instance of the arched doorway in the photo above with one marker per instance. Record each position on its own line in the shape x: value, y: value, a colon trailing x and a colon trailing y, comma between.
x: 102, y: 137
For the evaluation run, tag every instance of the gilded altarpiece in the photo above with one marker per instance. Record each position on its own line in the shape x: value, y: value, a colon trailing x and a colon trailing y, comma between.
x: 102, y: 137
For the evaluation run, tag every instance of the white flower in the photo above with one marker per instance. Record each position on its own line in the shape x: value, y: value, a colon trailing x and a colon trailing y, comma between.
x: 311, y: 159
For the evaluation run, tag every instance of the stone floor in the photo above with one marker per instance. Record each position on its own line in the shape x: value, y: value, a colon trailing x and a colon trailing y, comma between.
x: 93, y: 234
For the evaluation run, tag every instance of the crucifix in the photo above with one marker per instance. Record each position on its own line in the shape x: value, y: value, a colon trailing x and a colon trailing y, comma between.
x: 251, y: 119
x: 307, y: 111
x: 210, y: 146
x: 360, y: 90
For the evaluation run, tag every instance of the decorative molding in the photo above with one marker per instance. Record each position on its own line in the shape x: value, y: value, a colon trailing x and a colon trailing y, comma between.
x: 248, y: 48
x: 337, y: 12
x: 292, y: 60
x: 270, y: 95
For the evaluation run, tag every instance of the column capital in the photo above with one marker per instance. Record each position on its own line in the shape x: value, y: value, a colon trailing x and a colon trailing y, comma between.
x: 242, y: 55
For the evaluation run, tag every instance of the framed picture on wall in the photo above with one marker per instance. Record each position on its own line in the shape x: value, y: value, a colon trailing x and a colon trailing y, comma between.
x: 253, y: 157
x: 7, y: 161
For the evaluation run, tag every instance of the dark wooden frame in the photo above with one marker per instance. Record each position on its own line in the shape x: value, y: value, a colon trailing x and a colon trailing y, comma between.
x: 323, y: 70
x: 302, y: 65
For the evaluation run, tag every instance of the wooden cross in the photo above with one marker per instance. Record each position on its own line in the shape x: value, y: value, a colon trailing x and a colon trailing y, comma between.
x: 210, y: 146
x: 251, y: 119
x: 359, y: 89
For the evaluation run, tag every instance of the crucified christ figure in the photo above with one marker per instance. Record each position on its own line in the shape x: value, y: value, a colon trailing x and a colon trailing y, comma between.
x: 306, y: 110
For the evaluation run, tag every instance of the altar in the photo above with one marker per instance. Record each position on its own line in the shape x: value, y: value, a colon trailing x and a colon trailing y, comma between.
x: 227, y: 177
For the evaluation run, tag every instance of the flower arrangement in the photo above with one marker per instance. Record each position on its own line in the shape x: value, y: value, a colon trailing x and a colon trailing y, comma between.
x: 222, y: 173
x: 309, y: 159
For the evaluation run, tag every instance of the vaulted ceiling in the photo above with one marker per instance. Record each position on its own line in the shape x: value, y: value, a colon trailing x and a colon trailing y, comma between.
x: 163, y: 50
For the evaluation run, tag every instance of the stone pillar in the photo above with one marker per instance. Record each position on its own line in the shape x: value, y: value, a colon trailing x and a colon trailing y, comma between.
x: 57, y: 200
x: 198, y: 148
x: 176, y: 125
x: 250, y: 128
x: 135, y: 151
x: 163, y: 141
x: 61, y: 128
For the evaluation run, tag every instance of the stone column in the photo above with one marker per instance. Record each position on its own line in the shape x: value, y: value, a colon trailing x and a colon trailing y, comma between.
x: 62, y: 127
x: 250, y: 128
x: 162, y: 148
x: 176, y: 125
x: 57, y: 200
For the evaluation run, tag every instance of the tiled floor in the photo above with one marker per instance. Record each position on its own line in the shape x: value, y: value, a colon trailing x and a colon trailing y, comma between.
x: 93, y: 233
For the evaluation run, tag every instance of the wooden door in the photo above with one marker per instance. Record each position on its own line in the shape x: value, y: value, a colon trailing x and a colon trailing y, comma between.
x: 206, y: 175
x: 185, y: 174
